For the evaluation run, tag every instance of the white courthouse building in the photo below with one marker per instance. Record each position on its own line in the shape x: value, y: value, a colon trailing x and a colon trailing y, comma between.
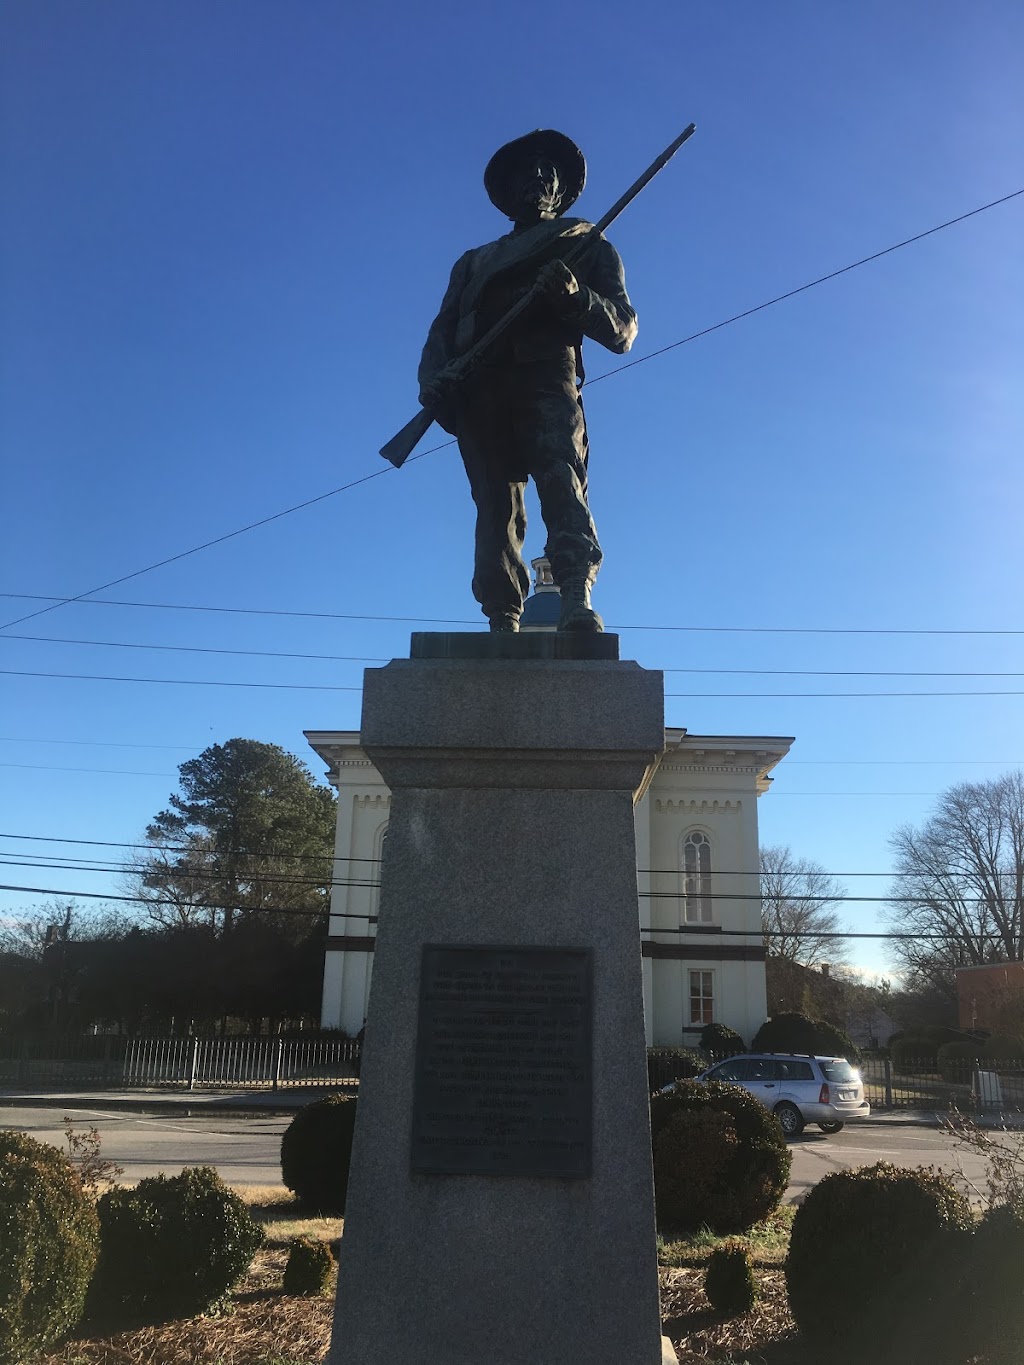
x: 697, y: 874
x: 697, y: 878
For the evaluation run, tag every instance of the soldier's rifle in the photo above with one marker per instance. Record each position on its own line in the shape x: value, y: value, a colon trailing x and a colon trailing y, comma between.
x: 401, y: 446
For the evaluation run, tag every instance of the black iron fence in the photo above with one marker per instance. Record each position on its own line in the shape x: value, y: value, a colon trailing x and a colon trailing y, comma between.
x: 968, y: 1083
x: 246, y: 1061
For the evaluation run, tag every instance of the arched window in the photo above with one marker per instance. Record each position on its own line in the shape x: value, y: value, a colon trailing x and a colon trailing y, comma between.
x: 697, y: 878
x: 380, y: 840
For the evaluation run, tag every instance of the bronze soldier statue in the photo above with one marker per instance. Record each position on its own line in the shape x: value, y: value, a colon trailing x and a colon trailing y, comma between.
x: 519, y: 414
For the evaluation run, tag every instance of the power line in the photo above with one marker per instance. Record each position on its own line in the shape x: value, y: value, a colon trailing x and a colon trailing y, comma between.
x: 332, y: 687
x: 475, y: 621
x: 182, y: 848
x: 782, y: 933
x: 198, y: 745
x: 228, y: 535
x: 194, y: 682
x: 138, y: 772
x: 644, y: 929
x: 282, y: 654
x: 58, y: 768
x: 792, y: 293
x: 190, y: 874
x: 903, y: 762
x: 98, y: 866
x: 840, y: 673
x: 838, y: 696
x: 245, y: 611
x: 144, y: 900
x: 351, y: 858
x: 99, y: 743
x: 200, y: 875
x: 619, y: 369
x: 376, y: 659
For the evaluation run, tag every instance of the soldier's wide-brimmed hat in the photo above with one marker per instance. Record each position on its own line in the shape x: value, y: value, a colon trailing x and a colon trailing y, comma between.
x: 503, y: 168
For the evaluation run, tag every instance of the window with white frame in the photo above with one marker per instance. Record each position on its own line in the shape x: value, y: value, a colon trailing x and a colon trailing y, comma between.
x: 374, y: 872
x: 697, y: 878
x: 702, y: 998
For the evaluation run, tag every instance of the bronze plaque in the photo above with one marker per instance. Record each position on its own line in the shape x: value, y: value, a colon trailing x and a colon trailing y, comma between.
x: 503, y: 1062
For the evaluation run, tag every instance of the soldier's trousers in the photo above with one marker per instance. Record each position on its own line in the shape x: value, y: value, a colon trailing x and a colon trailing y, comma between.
x: 518, y: 422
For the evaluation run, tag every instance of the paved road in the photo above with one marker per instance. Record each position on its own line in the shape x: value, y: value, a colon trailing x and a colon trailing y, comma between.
x: 862, y: 1144
x: 245, y: 1150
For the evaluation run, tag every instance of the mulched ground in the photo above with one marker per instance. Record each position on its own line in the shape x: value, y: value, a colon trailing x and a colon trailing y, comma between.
x: 765, y: 1334
x: 264, y: 1327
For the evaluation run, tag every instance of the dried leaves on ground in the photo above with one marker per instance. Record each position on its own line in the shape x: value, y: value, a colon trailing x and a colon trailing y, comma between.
x: 764, y: 1336
x: 263, y: 1326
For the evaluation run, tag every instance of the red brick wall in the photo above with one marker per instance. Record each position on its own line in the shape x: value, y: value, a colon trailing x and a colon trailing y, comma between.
x: 979, y: 988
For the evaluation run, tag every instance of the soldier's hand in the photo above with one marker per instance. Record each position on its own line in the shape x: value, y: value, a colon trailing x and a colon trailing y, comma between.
x: 558, y: 282
x: 436, y: 393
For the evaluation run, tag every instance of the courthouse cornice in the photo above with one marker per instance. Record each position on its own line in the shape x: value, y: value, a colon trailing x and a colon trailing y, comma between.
x: 738, y: 755
x: 749, y: 758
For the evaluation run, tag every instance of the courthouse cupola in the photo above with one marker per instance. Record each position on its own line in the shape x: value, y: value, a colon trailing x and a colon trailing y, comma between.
x: 543, y: 607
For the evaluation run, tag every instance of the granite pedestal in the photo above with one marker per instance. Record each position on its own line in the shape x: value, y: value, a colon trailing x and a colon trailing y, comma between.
x: 500, y: 1203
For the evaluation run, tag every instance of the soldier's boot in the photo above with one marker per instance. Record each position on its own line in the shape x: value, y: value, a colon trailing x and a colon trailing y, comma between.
x: 505, y: 621
x: 577, y: 613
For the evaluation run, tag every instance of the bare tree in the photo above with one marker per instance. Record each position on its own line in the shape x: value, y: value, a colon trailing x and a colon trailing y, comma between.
x: 798, y: 900
x: 28, y: 932
x: 174, y: 884
x: 960, y: 883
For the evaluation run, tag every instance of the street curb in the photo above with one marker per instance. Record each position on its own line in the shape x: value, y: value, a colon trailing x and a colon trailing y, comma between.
x: 241, y: 1106
x: 254, y: 1105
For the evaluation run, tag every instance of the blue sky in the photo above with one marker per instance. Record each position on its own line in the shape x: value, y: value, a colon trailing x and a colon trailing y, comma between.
x: 225, y: 230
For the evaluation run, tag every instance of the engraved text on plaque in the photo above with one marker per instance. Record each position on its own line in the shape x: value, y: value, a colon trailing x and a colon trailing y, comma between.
x: 503, y: 1062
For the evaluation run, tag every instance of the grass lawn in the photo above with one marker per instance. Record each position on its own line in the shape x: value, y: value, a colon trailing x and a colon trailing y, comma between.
x: 263, y: 1326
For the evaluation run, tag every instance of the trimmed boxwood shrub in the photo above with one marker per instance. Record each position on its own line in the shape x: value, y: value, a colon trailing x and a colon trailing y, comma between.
x: 49, y: 1237
x: 922, y: 1044
x: 729, y: 1282
x: 1001, y: 1049
x: 884, y: 1239
x: 799, y: 1033
x: 665, y: 1065
x: 913, y: 1050
x: 309, y: 1267
x: 956, y: 1060
x: 718, y: 1040
x: 315, y: 1153
x: 171, y: 1247
x: 994, y: 1313
x: 720, y: 1160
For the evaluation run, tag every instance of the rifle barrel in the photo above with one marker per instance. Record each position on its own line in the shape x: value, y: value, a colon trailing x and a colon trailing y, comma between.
x: 652, y: 170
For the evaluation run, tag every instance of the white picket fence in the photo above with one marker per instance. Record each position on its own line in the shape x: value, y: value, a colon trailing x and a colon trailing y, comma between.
x: 241, y: 1062
x: 252, y: 1061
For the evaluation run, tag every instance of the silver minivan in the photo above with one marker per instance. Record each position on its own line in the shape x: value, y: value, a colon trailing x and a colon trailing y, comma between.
x: 798, y: 1090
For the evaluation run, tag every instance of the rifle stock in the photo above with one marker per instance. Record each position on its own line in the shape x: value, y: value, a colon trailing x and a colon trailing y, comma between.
x: 401, y: 446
